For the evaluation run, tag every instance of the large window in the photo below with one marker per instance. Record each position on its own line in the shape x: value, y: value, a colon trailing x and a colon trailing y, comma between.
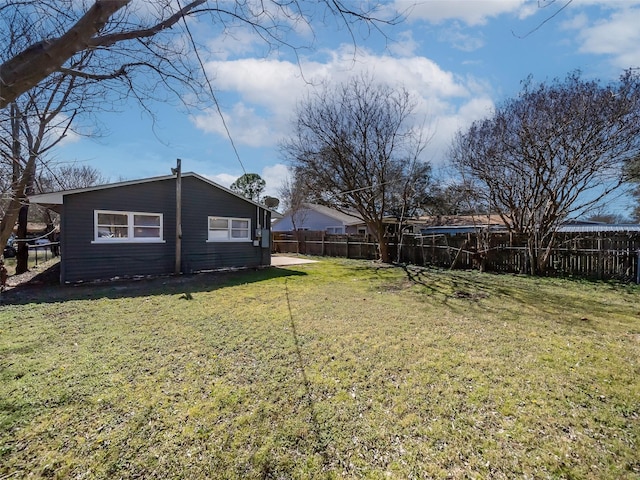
x: 110, y: 226
x: 224, y: 229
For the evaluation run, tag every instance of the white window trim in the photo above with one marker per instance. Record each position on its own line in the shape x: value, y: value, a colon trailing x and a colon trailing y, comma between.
x: 130, y: 228
x: 229, y: 238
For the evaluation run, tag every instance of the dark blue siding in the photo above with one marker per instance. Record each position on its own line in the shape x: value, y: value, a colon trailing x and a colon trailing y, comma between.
x: 199, y: 202
x: 84, y: 260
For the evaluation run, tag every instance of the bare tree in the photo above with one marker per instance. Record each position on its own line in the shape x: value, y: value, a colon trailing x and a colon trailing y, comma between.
x: 553, y: 152
x: 41, y: 37
x: 33, y: 125
x: 294, y: 196
x: 110, y: 49
x: 356, y: 149
x: 631, y: 173
x: 69, y: 177
x: 602, y: 215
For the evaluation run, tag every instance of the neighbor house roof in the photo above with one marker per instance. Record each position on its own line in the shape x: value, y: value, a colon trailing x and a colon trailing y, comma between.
x: 599, y: 227
x: 461, y: 220
x: 343, y: 218
x: 54, y: 199
x: 468, y: 223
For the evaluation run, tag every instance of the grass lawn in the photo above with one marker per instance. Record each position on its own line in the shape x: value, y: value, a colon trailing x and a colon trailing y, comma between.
x: 338, y: 369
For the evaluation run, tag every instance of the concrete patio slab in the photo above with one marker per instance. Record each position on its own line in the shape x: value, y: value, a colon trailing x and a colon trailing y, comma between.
x: 281, y: 261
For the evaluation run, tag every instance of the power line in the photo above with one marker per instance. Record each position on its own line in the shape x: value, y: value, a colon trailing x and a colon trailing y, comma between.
x: 215, y: 100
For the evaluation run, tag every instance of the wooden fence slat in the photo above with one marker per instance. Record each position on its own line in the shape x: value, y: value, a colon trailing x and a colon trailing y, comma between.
x: 614, y: 256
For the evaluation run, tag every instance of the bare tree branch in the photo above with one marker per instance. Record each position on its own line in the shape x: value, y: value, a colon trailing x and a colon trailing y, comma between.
x: 355, y: 148
x: 548, y: 19
x: 30, y: 67
x: 553, y: 152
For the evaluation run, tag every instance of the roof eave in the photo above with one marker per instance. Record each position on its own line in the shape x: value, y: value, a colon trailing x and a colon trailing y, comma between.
x: 57, y: 198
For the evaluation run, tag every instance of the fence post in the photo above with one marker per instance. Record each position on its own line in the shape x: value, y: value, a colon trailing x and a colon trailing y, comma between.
x: 347, y: 254
x: 638, y: 268
x: 600, y: 267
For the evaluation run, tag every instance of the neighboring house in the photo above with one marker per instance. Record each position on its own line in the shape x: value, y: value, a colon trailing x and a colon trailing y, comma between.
x: 129, y: 228
x: 453, y: 225
x: 460, y: 224
x: 585, y: 226
x: 316, y: 217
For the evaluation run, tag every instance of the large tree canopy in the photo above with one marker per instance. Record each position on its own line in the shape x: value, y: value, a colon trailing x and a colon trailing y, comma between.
x: 250, y: 185
x: 552, y: 152
x: 41, y: 37
x: 356, y: 148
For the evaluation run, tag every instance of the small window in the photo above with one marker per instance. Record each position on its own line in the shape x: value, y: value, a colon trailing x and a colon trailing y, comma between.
x: 146, y: 226
x: 222, y: 229
x: 112, y: 225
x: 127, y: 227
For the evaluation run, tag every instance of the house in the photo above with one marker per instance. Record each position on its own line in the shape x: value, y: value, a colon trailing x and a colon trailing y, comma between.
x: 129, y: 228
x: 585, y: 226
x: 316, y: 217
x: 460, y: 224
x: 463, y: 224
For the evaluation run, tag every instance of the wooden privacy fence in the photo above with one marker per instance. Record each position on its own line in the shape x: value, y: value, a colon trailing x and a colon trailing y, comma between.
x: 309, y: 242
x: 597, y: 256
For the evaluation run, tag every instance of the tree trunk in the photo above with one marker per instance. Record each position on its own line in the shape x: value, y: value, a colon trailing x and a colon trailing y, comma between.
x: 384, y: 250
x: 533, y: 260
x: 22, y: 253
x: 17, y: 198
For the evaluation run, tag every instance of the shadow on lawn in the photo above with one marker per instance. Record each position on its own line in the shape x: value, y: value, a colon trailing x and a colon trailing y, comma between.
x: 321, y: 446
x: 44, y: 287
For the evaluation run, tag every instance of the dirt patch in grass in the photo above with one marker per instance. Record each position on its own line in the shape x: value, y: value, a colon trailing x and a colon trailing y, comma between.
x: 47, y: 273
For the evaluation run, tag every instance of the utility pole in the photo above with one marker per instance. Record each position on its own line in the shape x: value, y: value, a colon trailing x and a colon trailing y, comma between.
x: 178, y: 173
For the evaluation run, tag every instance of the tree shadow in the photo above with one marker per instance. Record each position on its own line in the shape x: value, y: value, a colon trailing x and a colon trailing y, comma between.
x: 44, y: 287
x: 425, y: 277
x: 321, y: 445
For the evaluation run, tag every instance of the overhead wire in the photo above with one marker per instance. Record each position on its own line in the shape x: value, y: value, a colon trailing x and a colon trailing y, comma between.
x: 213, y: 95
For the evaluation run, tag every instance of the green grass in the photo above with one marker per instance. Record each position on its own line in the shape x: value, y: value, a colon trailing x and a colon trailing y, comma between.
x: 339, y: 369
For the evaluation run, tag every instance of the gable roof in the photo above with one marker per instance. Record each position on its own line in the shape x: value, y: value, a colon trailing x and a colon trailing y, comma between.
x: 56, y: 198
x: 343, y: 218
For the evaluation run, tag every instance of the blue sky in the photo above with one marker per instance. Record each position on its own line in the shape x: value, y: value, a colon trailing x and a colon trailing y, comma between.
x: 458, y: 57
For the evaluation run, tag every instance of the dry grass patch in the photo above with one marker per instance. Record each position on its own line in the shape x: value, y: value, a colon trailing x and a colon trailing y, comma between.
x: 329, y: 370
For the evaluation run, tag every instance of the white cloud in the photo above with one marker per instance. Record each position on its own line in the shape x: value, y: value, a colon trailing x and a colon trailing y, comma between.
x: 274, y: 175
x: 242, y: 123
x: 455, y: 37
x: 59, y: 129
x: 577, y: 22
x: 471, y: 12
x: 404, y: 45
x: 617, y: 36
x: 235, y: 43
x: 223, y: 179
x: 445, y: 126
x: 268, y: 91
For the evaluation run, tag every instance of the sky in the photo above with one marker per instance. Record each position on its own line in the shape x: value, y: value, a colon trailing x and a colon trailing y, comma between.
x: 459, y: 58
